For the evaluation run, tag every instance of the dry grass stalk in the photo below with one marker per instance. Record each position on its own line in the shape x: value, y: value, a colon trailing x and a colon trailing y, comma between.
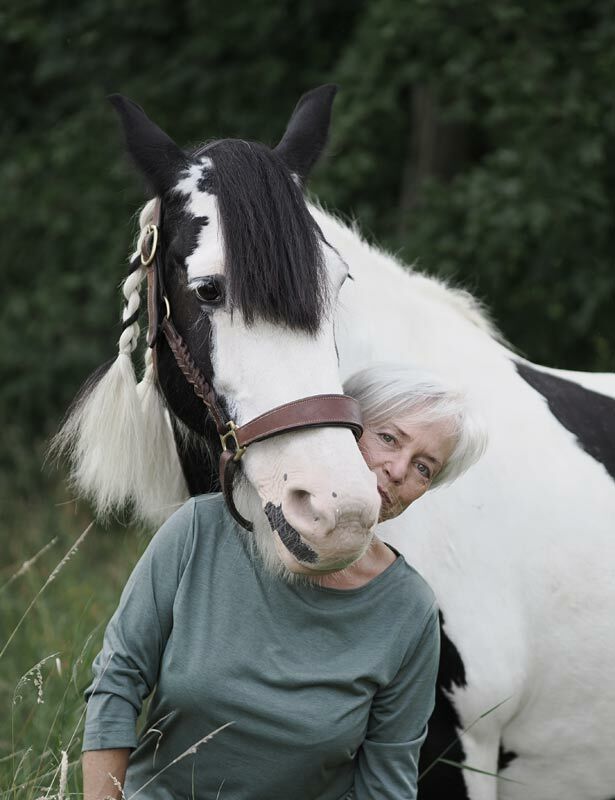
x: 117, y: 785
x: 28, y: 564
x: 34, y: 674
x: 63, y: 775
x: 70, y: 553
x: 190, y: 751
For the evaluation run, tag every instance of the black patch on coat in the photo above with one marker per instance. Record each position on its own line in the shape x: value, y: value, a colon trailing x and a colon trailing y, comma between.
x: 180, y: 237
x: 289, y: 536
x: 451, y: 672
x: 206, y: 182
x: 505, y: 757
x: 589, y: 415
x: 198, y: 456
x: 444, y: 782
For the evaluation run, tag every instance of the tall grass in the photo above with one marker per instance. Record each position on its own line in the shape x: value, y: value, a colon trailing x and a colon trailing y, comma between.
x: 59, y: 583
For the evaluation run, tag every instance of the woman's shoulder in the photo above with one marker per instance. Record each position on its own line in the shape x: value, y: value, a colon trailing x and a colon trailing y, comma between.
x: 211, y: 516
x: 417, y: 590
x: 419, y: 625
x: 209, y: 504
x: 193, y: 531
x: 201, y: 511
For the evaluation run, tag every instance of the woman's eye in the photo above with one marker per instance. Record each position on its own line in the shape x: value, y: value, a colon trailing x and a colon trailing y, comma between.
x: 209, y: 292
x: 387, y: 438
x: 423, y: 469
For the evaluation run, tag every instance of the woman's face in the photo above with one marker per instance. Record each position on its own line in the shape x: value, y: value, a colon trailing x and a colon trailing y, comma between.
x: 406, y: 454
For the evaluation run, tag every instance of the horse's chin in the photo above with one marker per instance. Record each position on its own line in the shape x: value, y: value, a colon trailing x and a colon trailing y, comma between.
x: 308, y: 570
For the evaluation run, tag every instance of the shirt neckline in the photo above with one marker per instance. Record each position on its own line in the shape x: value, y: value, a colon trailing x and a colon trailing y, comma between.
x: 366, y: 586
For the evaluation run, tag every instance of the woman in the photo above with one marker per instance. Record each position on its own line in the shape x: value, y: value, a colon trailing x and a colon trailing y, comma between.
x: 327, y: 682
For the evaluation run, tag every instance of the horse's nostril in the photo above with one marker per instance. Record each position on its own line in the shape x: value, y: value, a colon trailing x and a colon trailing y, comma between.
x: 303, y: 511
x: 300, y: 501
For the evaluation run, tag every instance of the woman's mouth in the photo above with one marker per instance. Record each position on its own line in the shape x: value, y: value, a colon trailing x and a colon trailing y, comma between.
x: 385, y: 497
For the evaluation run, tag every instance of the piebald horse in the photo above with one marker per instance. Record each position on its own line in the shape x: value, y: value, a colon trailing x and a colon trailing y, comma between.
x: 519, y: 551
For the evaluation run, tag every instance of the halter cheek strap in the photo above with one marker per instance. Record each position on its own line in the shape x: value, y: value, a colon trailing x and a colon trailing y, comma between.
x: 325, y: 410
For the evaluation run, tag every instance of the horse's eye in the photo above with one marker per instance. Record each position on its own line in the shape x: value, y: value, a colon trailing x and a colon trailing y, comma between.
x: 210, y: 291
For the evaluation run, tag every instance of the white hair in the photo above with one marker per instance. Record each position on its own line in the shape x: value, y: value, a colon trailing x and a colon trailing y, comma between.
x: 117, y: 435
x: 389, y: 391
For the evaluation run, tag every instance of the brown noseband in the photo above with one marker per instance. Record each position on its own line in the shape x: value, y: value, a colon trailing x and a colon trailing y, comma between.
x: 325, y: 410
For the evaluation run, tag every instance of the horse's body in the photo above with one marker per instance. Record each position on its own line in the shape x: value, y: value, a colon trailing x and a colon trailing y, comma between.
x: 519, y: 551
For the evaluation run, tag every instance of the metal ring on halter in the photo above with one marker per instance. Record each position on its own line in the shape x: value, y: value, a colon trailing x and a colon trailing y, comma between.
x: 151, y: 230
x: 168, y: 306
x: 231, y: 434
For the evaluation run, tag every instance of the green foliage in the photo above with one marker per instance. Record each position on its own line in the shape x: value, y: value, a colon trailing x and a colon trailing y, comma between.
x: 526, y: 217
x: 516, y: 204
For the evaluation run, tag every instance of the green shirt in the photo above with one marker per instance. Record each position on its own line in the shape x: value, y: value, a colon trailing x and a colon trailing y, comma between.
x: 329, y: 690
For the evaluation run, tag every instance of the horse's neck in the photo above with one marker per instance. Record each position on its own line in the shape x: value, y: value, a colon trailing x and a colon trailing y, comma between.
x: 388, y: 313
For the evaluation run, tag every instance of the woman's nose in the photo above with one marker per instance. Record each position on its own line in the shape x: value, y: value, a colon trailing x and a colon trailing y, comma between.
x: 396, y: 470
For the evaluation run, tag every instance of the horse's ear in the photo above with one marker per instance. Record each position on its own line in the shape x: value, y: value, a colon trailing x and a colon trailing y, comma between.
x: 307, y: 131
x: 155, y: 154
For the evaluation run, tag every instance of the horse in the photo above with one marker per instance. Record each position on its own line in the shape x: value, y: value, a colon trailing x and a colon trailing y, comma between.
x: 516, y: 550
x: 246, y: 290
x: 519, y: 550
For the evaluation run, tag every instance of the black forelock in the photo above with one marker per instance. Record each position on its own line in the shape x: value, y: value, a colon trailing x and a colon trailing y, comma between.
x: 273, y: 260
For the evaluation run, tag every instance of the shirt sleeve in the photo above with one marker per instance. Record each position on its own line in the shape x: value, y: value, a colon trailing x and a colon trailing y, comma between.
x: 126, y: 669
x: 387, y: 762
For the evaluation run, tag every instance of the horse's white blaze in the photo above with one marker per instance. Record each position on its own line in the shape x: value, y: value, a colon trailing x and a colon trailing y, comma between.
x: 519, y: 550
x: 208, y: 257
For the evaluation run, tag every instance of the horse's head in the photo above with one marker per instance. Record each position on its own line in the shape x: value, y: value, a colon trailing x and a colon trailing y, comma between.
x: 252, y: 287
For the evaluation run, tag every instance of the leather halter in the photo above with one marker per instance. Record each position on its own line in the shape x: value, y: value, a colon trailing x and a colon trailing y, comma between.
x: 324, y: 410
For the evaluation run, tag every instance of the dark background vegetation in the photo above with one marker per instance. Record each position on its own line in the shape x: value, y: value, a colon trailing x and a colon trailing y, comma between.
x: 475, y: 138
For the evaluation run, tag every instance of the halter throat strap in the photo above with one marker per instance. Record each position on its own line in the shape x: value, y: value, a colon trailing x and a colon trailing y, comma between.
x: 324, y: 410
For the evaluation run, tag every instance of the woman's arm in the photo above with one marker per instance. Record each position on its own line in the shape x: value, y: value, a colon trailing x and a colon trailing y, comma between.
x: 126, y: 669
x: 98, y: 767
x: 387, y: 762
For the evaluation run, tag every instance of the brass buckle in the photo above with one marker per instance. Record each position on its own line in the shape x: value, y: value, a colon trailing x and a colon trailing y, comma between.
x: 151, y: 230
x: 231, y: 434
